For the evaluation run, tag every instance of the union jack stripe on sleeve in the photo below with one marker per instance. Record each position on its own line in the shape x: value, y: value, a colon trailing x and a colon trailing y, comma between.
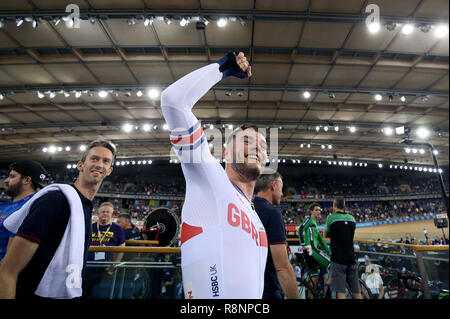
x: 187, y: 139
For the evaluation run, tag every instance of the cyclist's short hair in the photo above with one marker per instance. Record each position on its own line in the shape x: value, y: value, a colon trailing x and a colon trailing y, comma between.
x: 102, y: 143
x: 311, y: 207
x: 237, y: 130
x: 339, y: 202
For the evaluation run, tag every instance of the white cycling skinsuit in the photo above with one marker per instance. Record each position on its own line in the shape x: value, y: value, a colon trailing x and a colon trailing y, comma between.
x: 223, y: 242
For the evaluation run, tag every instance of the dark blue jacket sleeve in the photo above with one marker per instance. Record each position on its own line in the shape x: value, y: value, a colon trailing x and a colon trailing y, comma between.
x: 276, y: 229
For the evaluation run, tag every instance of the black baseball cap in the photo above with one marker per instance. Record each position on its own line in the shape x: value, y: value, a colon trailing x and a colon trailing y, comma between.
x: 33, y: 169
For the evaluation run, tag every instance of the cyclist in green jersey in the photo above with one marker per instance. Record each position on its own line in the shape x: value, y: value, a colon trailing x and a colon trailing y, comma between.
x: 311, y: 239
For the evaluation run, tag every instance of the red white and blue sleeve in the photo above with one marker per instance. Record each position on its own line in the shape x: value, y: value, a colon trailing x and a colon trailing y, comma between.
x: 177, y: 101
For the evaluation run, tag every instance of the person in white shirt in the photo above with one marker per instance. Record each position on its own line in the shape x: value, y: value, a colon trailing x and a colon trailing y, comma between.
x: 374, y: 281
x: 223, y: 242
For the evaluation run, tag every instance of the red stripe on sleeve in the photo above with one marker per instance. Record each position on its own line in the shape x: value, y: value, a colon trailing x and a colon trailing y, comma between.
x: 188, y: 139
x: 29, y: 237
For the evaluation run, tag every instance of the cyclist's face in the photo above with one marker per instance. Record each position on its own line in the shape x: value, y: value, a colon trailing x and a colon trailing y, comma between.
x: 316, y: 212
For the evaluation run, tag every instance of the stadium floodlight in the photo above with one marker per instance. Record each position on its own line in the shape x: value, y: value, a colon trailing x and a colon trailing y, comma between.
x: 388, y: 131
x: 222, y: 22
x: 422, y: 133
x: 408, y: 29
x: 127, y: 127
x: 374, y: 27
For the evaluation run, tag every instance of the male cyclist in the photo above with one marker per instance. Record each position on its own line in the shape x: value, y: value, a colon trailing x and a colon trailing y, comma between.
x: 311, y: 239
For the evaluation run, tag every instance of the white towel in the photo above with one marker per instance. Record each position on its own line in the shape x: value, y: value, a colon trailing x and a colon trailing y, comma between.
x: 62, y: 278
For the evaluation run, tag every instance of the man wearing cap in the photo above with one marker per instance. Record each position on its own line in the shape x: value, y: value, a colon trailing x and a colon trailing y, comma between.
x: 23, y: 180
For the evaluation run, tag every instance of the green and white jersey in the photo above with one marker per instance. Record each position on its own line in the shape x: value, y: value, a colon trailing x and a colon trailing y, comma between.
x: 340, y: 228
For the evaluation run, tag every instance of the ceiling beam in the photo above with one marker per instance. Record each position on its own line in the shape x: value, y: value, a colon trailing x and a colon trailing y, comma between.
x: 225, y: 87
x: 217, y: 14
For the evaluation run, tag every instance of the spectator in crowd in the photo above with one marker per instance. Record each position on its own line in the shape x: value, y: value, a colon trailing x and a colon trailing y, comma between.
x: 56, y: 217
x: 425, y: 233
x: 374, y: 281
x: 23, y: 181
x: 131, y: 232
x: 104, y: 233
x: 279, y: 274
x: 340, y: 228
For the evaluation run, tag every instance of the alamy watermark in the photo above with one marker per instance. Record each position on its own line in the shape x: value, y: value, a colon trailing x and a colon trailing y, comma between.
x: 73, y: 19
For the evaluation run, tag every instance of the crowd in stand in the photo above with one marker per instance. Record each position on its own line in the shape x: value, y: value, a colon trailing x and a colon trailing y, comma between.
x: 293, y: 213
x: 374, y: 184
x: 330, y: 185
x: 373, y: 211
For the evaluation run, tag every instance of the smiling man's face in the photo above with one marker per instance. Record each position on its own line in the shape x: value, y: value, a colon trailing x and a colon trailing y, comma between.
x: 249, y: 154
x: 96, y: 166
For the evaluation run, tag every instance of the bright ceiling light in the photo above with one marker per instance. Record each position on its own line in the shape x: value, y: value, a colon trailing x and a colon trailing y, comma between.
x: 59, y: 149
x: 184, y: 22
x: 441, y: 31
x: 353, y: 129
x: 52, y: 149
x: 102, y: 94
x: 306, y: 95
x: 40, y: 95
x: 336, y: 128
x: 317, y: 128
x: 388, y: 131
x: 67, y: 148
x: 230, y: 127
x: 422, y: 151
x: 77, y: 94
x: 378, y: 97
x: 325, y: 128
x: 82, y: 148
x: 322, y: 146
x: 19, y: 22
x: 146, y: 127
x: 165, y: 127
x: 403, y: 98
x: 45, y: 150
x: 423, y: 133
x: 380, y: 165
x: 330, y: 146
x: 148, y: 21
x: 153, y: 94
x: 221, y: 23
x: 414, y: 150
x: 435, y: 152
x: 127, y: 128
x: 139, y: 93
x: 374, y: 27
x: 407, y: 29
x: 407, y: 150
